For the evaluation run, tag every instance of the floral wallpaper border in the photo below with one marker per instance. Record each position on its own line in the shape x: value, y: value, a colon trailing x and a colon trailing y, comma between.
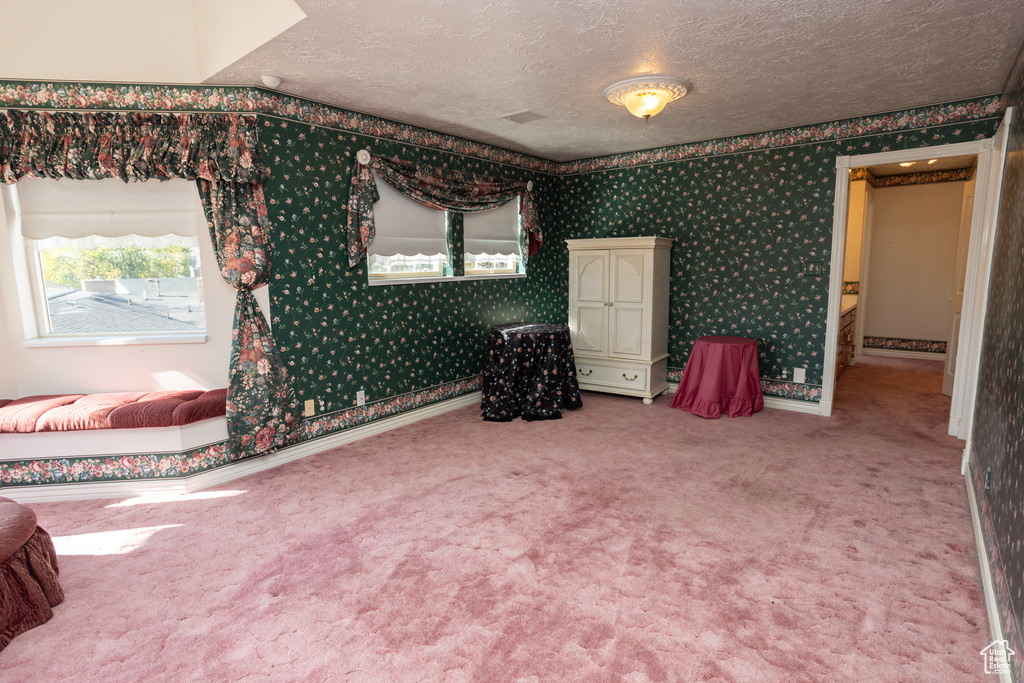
x: 172, y: 465
x: 922, y: 178
x: 894, y: 344
x: 203, y: 98
x: 779, y: 388
x: 910, y: 119
x: 152, y: 97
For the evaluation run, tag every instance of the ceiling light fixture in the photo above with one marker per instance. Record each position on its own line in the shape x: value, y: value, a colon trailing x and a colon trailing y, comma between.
x: 647, y: 95
x: 272, y: 81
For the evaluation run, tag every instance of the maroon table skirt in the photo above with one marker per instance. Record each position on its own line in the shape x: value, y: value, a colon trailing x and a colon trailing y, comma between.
x: 721, y: 376
x: 28, y: 572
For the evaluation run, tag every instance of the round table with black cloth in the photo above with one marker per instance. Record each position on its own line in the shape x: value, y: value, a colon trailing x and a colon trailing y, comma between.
x: 529, y: 372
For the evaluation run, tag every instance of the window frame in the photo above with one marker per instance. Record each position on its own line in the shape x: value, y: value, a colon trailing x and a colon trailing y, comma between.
x: 400, y: 207
x: 454, y: 257
x: 35, y: 312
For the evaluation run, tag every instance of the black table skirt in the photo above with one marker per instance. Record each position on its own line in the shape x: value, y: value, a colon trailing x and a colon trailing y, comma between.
x: 529, y: 372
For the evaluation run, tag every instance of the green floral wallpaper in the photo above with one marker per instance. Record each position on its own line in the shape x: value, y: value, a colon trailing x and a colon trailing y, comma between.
x: 744, y: 224
x: 338, y: 334
x: 997, y: 445
x: 747, y: 214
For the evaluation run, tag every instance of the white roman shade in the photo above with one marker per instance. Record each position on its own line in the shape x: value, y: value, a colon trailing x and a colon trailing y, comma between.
x: 108, y: 208
x: 493, y: 232
x: 404, y: 226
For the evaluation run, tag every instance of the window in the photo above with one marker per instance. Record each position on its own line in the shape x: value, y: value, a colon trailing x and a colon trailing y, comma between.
x: 108, y: 258
x: 492, y: 241
x: 410, y: 239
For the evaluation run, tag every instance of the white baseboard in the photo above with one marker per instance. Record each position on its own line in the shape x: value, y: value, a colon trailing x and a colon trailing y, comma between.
x: 226, y: 473
x: 792, y: 404
x: 899, y: 353
x: 954, y: 426
x: 775, y: 402
x: 995, y: 624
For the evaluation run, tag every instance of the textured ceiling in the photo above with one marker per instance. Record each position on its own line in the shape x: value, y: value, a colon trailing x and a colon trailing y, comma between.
x: 460, y: 66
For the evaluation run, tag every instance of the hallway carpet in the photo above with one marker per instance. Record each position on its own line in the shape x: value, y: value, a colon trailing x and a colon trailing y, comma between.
x: 622, y: 543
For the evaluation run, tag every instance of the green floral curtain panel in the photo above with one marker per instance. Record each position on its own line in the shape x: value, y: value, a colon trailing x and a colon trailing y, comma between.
x: 219, y: 153
x: 439, y: 188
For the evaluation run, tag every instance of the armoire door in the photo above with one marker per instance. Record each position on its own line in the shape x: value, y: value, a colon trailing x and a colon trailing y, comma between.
x: 626, y: 304
x: 589, y: 290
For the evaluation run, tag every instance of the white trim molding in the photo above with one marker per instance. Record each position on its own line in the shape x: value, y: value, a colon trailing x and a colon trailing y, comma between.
x: 979, y: 259
x: 995, y: 624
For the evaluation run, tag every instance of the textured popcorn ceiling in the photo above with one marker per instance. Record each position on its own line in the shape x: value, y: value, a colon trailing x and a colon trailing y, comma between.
x: 460, y: 66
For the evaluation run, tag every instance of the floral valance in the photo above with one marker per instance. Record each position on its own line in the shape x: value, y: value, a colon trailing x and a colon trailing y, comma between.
x: 437, y: 187
x: 221, y: 154
x: 130, y: 146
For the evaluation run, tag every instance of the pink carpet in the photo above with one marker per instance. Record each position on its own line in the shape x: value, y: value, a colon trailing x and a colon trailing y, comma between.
x: 622, y: 543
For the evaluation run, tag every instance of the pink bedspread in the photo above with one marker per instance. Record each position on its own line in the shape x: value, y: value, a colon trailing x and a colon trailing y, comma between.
x: 125, y: 410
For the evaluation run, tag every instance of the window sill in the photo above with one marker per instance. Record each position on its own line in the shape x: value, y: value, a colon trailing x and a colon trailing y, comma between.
x: 450, y: 278
x: 126, y: 340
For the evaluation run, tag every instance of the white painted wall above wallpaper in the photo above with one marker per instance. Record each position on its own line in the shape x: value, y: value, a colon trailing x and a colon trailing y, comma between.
x: 195, y: 39
x: 913, y: 248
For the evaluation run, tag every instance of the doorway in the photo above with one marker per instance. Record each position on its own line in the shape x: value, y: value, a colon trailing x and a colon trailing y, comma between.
x: 990, y: 154
x: 907, y: 241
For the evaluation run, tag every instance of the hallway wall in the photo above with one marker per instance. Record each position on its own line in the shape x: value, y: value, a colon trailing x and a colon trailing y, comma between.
x: 997, y: 465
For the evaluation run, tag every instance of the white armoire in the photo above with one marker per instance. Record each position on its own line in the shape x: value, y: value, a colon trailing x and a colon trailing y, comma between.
x: 618, y: 314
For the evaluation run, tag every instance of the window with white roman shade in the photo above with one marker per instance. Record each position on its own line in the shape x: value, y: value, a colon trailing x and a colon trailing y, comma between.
x: 491, y: 240
x: 107, y: 208
x: 109, y: 259
x: 411, y: 240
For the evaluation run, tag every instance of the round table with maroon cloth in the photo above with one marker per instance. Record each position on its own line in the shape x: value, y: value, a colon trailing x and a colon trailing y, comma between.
x: 721, y: 376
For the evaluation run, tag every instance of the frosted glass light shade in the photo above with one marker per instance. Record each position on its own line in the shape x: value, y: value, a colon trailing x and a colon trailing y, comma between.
x: 646, y: 96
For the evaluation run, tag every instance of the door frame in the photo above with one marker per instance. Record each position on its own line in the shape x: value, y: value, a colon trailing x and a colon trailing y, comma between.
x: 989, y: 176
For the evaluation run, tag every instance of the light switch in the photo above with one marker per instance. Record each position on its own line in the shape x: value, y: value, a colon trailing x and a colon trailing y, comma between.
x: 799, y: 375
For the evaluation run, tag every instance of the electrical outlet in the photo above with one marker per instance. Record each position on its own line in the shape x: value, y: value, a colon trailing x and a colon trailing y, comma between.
x: 310, y: 408
x: 800, y: 375
x: 360, y: 398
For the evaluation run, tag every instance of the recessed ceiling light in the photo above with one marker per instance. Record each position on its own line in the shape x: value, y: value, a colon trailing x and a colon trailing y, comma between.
x: 906, y: 164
